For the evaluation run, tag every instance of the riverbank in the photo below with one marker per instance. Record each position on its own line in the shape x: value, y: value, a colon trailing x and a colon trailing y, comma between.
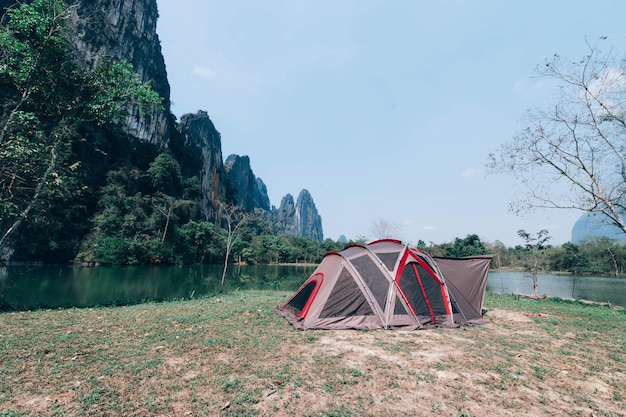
x: 233, y: 356
x: 525, y: 271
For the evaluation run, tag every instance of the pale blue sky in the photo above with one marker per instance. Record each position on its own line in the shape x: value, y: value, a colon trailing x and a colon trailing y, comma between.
x: 380, y: 108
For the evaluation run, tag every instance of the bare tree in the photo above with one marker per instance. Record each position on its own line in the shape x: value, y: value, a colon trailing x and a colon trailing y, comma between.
x: 382, y: 229
x: 234, y: 219
x: 571, y: 154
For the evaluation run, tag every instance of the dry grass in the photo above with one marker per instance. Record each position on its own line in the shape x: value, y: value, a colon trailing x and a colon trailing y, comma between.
x: 233, y: 356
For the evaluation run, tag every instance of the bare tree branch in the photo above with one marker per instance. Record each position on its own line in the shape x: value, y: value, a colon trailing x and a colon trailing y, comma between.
x: 572, y: 154
x: 234, y: 219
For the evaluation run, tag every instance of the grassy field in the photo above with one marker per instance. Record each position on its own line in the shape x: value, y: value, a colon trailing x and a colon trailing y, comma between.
x: 233, y: 356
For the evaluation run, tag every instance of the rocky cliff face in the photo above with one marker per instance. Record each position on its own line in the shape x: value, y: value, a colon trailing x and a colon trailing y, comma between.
x: 248, y: 191
x: 261, y: 198
x: 301, y: 219
x: 308, y: 221
x: 284, y: 221
x: 125, y: 30
x: 204, y: 140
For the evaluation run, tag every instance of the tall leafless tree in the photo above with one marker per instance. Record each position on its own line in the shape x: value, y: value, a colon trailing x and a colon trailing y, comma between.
x: 234, y: 219
x: 571, y: 153
x: 383, y: 228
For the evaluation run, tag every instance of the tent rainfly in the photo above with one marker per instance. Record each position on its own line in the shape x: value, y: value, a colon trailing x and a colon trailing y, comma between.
x: 388, y: 285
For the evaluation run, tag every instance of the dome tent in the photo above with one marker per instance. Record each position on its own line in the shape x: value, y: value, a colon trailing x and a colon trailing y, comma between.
x: 388, y: 285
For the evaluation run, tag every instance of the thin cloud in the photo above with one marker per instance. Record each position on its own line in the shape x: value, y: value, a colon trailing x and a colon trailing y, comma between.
x: 470, y: 172
x: 203, y: 72
x: 427, y: 227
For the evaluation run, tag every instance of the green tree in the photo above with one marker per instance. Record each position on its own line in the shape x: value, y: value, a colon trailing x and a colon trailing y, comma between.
x: 270, y: 249
x: 471, y: 245
x: 535, y: 244
x: 421, y: 245
x: 328, y: 245
x: 200, y: 242
x: 166, y: 177
x: 605, y: 256
x: 165, y: 174
x: 569, y: 258
x: 48, y: 98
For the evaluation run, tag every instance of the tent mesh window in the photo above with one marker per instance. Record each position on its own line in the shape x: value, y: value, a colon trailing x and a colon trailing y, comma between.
x: 432, y: 287
x: 413, y: 292
x: 389, y: 259
x: 373, y: 277
x: 300, y: 299
x: 422, y: 290
x: 346, y: 299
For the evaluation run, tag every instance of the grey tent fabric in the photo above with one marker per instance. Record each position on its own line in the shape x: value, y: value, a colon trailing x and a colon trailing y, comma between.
x: 388, y: 285
x: 467, y: 281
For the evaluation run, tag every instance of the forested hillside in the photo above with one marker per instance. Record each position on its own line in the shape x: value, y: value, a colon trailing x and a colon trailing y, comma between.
x: 59, y: 132
x: 90, y: 171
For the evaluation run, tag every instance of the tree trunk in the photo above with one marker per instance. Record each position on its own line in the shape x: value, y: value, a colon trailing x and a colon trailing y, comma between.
x: 4, y: 252
x: 229, y: 244
x: 615, y: 264
x: 167, y: 223
x: 5, y: 128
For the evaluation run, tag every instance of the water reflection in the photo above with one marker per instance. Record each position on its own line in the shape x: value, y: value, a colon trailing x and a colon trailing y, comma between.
x: 50, y: 286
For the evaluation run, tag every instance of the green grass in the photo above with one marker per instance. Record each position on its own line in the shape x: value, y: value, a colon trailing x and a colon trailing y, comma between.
x: 232, y: 355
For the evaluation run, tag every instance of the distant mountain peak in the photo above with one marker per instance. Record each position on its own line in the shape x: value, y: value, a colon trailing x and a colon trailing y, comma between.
x: 299, y: 219
x: 595, y: 225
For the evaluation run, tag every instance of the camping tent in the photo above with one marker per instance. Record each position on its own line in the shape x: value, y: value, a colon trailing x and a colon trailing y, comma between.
x: 386, y: 284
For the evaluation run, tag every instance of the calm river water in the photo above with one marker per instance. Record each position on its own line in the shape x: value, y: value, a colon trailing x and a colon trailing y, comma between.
x: 50, y: 286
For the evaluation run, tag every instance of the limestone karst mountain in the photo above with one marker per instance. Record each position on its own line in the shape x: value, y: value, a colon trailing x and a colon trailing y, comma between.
x: 127, y: 30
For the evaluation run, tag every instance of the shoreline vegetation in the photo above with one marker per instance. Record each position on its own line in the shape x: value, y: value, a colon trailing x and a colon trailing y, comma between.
x: 313, y: 264
x: 232, y: 355
x: 564, y: 273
